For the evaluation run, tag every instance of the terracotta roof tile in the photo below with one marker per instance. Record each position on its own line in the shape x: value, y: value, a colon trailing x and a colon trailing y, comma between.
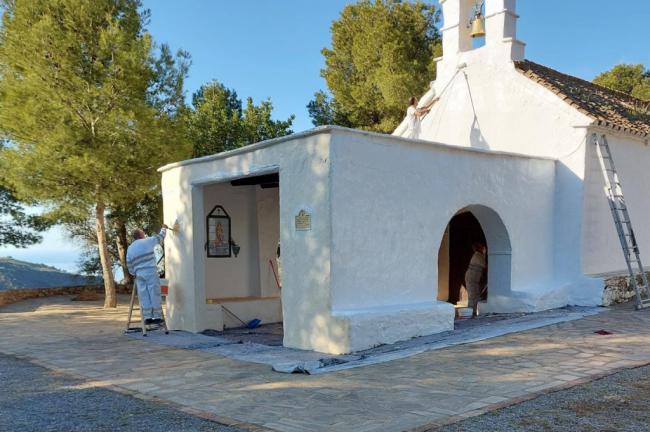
x: 609, y: 108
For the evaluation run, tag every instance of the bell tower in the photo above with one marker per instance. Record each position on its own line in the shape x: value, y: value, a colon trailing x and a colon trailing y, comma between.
x: 501, y: 43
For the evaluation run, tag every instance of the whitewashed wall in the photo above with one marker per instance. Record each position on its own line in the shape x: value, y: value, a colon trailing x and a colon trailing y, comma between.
x: 492, y: 106
x: 303, y: 163
x: 366, y: 273
x: 601, y: 247
x: 404, y: 193
x: 486, y: 103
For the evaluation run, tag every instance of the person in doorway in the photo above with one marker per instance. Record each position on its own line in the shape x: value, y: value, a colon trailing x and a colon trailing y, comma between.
x: 474, y: 276
x: 141, y: 262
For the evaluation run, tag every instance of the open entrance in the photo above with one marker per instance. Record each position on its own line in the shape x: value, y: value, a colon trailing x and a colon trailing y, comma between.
x: 463, y: 231
x: 472, y: 226
x: 243, y: 277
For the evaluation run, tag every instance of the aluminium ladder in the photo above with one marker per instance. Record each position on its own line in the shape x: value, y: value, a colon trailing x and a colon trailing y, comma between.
x: 616, y: 200
x: 145, y: 326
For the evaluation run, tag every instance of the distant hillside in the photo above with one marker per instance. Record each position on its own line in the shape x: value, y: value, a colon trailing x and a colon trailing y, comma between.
x: 15, y: 274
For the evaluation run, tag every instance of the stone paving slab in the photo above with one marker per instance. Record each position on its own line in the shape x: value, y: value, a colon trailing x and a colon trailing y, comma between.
x: 420, y: 392
x: 289, y: 360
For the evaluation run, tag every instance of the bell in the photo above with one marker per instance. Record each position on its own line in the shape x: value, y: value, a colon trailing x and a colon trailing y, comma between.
x: 478, y: 26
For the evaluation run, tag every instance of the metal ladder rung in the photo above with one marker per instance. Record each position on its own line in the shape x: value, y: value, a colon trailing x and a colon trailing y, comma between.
x: 630, y: 247
x: 145, y: 327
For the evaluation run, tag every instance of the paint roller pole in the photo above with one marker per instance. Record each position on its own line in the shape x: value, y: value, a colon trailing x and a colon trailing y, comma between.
x: 277, y: 281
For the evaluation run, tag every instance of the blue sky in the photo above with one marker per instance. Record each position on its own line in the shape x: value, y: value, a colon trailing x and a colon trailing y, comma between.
x: 271, y: 48
x: 267, y: 48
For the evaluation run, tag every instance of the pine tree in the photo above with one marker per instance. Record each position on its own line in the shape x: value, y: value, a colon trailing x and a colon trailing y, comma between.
x: 218, y: 122
x: 382, y: 53
x: 633, y: 79
x: 90, y: 106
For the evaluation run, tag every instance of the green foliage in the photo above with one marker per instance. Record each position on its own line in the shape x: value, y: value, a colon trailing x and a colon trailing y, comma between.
x: 217, y: 122
x: 90, y: 105
x: 627, y: 78
x: 86, y: 102
x: 382, y: 53
x: 257, y: 124
x: 16, y: 227
x: 642, y: 91
x: 325, y: 110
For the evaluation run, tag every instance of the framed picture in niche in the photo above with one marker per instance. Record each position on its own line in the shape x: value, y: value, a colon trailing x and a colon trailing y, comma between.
x: 219, y: 233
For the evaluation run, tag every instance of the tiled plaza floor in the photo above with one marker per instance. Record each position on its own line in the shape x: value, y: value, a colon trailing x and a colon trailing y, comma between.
x: 415, y: 393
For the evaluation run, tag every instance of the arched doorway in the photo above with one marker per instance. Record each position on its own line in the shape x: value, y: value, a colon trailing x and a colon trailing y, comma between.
x: 472, y: 224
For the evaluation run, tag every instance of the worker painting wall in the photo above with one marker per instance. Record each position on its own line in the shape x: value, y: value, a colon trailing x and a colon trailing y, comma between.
x: 479, y: 106
x: 484, y: 101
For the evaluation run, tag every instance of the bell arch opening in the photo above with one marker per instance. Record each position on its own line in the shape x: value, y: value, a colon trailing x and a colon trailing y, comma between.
x: 469, y: 227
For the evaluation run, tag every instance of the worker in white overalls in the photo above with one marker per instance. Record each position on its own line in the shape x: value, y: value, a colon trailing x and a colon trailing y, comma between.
x: 474, y: 276
x: 141, y: 262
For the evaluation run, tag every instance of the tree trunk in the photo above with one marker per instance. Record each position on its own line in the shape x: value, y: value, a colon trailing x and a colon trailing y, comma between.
x: 122, y: 244
x: 110, y: 301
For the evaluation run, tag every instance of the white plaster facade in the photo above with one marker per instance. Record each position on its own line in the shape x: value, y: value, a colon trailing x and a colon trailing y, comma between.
x: 496, y: 144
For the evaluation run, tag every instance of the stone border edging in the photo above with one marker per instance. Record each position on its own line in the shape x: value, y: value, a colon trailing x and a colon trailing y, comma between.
x: 17, y: 295
x: 206, y: 415
x: 431, y: 427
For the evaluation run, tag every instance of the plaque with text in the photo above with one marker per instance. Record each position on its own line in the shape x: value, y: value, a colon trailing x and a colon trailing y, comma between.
x: 303, y: 221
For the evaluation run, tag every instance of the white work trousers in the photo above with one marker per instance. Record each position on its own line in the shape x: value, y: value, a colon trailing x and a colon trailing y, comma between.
x: 148, y: 283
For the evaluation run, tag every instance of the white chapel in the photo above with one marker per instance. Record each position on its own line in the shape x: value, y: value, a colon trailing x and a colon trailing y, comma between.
x: 372, y: 230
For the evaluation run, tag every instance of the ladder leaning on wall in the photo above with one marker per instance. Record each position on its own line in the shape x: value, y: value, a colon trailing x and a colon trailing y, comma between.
x: 616, y: 200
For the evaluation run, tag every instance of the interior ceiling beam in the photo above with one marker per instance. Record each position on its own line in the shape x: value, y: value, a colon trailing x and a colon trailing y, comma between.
x: 266, y: 181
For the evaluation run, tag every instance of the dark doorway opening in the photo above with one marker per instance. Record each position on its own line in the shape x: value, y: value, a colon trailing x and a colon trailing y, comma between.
x: 464, y: 230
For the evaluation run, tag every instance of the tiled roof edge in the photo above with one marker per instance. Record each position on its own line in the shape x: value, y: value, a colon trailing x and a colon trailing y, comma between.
x: 527, y: 68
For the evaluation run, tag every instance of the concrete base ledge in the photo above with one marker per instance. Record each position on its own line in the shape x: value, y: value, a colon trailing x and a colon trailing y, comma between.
x: 370, y: 327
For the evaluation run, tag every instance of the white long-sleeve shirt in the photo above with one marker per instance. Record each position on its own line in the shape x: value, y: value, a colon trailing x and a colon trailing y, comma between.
x: 140, y: 256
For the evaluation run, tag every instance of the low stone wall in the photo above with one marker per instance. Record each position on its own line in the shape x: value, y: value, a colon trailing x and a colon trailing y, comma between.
x: 618, y: 290
x: 84, y: 291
